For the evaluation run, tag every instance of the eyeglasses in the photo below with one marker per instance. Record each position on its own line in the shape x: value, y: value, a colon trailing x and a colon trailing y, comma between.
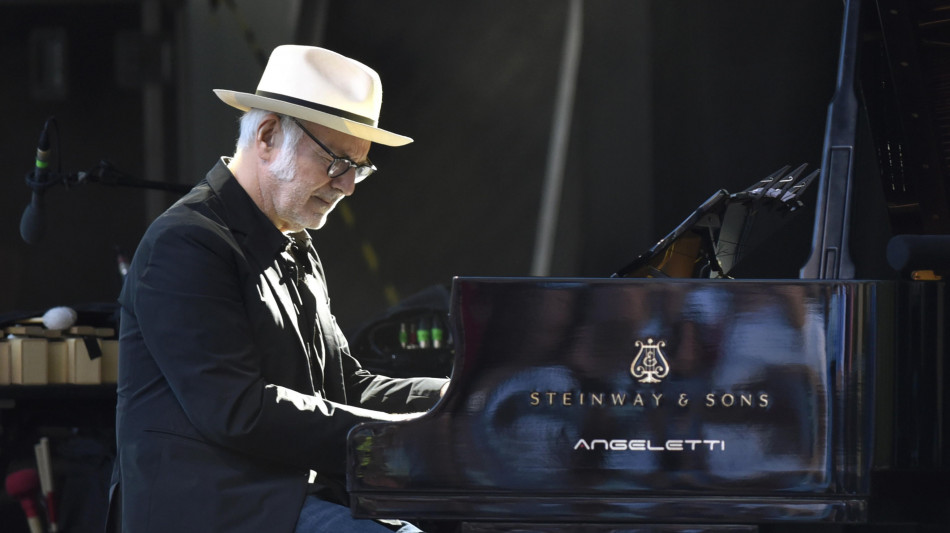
x: 341, y: 165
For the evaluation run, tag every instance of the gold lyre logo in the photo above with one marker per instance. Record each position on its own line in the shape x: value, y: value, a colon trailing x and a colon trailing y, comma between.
x: 650, y: 366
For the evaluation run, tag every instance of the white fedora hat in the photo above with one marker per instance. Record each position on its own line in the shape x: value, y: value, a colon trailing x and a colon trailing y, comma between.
x: 319, y: 86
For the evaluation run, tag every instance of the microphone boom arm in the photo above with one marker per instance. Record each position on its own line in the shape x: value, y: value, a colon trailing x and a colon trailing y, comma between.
x: 104, y: 173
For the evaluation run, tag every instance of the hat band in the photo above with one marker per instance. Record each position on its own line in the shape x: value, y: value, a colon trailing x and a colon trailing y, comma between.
x: 318, y: 107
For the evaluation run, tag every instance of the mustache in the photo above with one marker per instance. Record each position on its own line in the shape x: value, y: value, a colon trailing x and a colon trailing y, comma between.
x: 331, y: 199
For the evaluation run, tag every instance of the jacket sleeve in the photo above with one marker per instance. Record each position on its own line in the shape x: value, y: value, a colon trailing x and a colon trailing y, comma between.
x: 376, y: 392
x: 393, y: 395
x: 186, y: 296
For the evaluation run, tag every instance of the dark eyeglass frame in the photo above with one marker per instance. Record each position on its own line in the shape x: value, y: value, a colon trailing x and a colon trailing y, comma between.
x: 341, y: 165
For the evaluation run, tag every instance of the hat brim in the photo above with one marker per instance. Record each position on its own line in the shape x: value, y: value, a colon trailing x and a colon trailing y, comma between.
x: 246, y: 101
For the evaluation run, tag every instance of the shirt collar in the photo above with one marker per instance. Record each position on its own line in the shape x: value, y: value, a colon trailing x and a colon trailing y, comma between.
x: 247, y: 222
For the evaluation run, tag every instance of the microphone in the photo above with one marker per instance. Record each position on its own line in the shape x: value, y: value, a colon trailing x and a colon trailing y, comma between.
x: 33, y: 222
x: 23, y: 486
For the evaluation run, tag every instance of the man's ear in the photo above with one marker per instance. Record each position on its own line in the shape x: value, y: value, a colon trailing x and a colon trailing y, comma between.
x: 268, y: 136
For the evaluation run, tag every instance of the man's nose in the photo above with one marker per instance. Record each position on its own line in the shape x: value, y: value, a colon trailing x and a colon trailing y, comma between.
x: 345, y: 183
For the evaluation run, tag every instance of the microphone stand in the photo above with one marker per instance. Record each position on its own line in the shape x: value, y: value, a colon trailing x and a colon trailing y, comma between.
x: 41, y: 178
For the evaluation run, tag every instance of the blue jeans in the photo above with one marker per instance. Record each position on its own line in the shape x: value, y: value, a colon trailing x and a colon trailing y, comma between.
x: 318, y: 516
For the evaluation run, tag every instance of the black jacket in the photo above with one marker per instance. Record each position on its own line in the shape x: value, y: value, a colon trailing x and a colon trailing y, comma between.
x: 226, y: 400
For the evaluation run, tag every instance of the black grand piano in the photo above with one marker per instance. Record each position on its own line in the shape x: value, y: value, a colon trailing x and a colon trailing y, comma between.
x: 676, y: 396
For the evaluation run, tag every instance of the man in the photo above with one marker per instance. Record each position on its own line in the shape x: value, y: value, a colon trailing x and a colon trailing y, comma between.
x: 236, y: 387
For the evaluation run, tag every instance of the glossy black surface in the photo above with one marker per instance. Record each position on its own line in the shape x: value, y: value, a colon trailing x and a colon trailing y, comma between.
x: 762, y: 412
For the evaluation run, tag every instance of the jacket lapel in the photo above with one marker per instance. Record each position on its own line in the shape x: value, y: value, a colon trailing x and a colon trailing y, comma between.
x: 262, y: 244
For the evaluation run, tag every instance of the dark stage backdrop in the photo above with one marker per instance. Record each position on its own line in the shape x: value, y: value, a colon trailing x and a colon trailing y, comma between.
x: 674, y: 99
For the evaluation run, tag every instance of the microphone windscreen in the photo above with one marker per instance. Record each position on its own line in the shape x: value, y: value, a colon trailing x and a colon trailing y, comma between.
x: 32, y: 223
x: 60, y: 318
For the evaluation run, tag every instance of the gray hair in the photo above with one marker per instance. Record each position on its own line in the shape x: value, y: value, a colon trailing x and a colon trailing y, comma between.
x: 285, y: 165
